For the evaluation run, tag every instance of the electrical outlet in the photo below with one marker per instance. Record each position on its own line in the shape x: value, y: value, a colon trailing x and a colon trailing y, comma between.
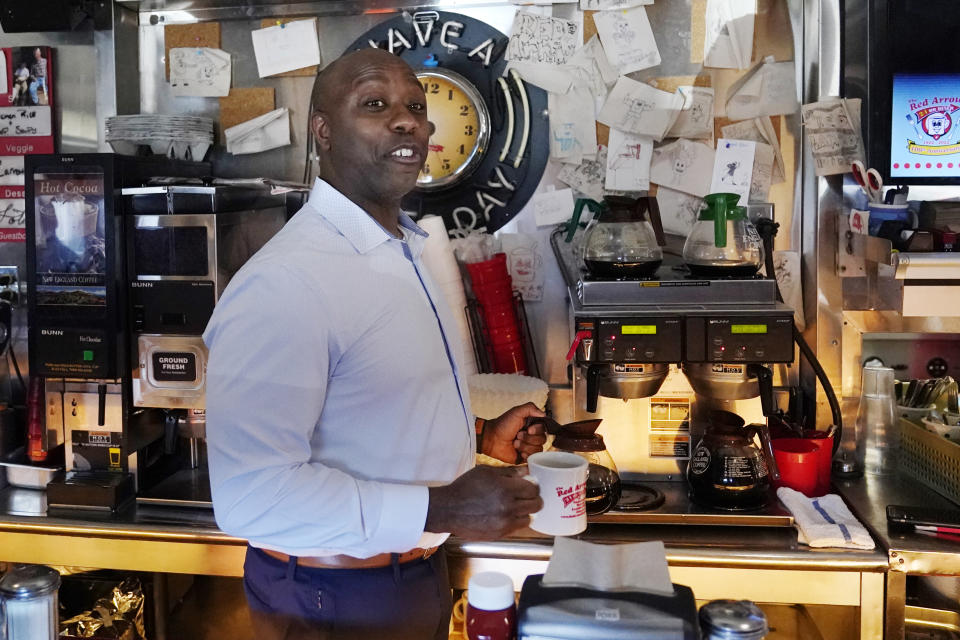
x: 10, y: 285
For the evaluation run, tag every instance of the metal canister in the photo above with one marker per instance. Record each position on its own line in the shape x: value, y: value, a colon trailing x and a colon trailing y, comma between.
x: 28, y: 602
x: 732, y: 620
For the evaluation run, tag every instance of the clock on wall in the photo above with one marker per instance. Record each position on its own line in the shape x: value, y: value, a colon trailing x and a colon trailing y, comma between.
x: 459, y: 128
x: 488, y: 142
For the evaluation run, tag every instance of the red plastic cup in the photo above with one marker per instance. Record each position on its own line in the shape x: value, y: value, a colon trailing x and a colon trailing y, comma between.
x: 509, y: 358
x: 798, y: 459
x: 499, y: 315
x: 824, y: 460
x: 488, y: 270
x: 503, y: 336
x: 497, y: 292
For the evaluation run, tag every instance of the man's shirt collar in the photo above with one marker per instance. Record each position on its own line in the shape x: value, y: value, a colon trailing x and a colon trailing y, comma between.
x: 356, y: 225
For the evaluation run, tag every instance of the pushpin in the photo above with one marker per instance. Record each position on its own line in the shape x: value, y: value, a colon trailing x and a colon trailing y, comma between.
x: 431, y: 61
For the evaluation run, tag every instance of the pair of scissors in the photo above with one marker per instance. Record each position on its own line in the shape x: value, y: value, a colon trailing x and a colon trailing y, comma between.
x: 869, y: 180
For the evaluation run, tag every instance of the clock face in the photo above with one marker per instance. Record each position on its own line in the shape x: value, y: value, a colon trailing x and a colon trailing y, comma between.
x: 460, y: 128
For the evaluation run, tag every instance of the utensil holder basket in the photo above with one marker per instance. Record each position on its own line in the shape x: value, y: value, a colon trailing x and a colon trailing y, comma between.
x: 931, y: 459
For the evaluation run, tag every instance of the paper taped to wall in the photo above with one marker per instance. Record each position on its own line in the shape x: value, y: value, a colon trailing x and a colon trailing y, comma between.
x: 286, y: 47
x: 201, y: 71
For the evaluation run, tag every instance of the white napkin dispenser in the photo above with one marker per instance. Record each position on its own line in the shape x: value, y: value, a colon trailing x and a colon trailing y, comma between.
x: 574, y: 613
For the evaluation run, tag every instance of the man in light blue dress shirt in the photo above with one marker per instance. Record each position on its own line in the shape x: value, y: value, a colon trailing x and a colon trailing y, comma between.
x: 341, y: 441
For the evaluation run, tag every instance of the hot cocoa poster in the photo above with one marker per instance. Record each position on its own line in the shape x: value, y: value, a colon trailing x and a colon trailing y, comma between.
x: 71, y: 259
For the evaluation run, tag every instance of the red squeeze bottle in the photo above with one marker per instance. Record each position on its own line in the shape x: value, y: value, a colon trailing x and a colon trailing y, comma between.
x: 491, y: 610
x: 36, y: 427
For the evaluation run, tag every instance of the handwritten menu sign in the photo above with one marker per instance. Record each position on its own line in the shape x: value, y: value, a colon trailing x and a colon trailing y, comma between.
x: 26, y: 126
x: 25, y: 121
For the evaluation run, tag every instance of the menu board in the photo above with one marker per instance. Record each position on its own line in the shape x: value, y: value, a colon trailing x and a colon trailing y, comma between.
x: 26, y: 126
x: 71, y: 257
x: 925, y: 134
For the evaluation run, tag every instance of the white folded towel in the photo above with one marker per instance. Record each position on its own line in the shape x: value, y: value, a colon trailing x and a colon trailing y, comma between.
x: 825, y: 521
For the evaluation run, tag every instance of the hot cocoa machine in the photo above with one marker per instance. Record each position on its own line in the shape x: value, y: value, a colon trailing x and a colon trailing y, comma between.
x: 123, y: 276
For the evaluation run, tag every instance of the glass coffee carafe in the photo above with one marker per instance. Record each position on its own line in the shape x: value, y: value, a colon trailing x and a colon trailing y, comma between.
x: 728, y: 470
x: 580, y: 438
x: 723, y: 242
x: 621, y: 241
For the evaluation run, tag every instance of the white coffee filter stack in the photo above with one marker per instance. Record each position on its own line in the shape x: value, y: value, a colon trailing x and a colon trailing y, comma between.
x: 439, y: 260
x: 493, y: 393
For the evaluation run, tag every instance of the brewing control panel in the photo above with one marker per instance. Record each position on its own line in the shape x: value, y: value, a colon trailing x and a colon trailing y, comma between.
x: 647, y: 339
x: 740, y: 339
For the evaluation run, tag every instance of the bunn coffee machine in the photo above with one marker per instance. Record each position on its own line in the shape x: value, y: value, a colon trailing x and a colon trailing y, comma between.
x: 626, y: 332
x: 184, y: 244
x: 123, y: 276
x: 78, y: 317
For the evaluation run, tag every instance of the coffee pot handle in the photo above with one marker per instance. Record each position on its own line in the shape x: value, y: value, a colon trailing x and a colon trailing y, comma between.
x: 766, y: 447
x: 593, y: 387
x: 765, y: 383
x: 593, y: 205
x: 654, y: 210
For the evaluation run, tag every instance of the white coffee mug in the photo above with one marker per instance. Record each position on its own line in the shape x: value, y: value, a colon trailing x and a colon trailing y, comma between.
x: 562, y: 478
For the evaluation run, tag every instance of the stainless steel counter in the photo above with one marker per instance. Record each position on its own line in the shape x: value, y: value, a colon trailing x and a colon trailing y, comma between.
x: 706, y: 550
x: 908, y: 552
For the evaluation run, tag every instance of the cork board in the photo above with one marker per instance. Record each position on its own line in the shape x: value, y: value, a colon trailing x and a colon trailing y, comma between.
x: 698, y: 29
x: 201, y: 34
x: 603, y: 134
x: 589, y: 26
x: 305, y: 71
x: 245, y: 104
x: 772, y: 34
x: 670, y: 84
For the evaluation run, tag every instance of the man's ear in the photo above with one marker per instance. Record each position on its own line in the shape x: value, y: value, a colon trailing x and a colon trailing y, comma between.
x: 320, y: 128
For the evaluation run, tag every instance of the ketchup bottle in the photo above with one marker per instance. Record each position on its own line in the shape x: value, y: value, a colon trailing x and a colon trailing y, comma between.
x: 36, y: 423
x: 491, y: 610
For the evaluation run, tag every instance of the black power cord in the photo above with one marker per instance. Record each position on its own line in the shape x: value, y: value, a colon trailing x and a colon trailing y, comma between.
x: 768, y: 230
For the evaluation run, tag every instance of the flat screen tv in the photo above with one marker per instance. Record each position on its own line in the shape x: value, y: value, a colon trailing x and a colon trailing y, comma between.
x: 925, y: 127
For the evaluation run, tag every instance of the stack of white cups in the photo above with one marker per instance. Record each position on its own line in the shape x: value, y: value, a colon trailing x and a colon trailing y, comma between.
x: 440, y: 262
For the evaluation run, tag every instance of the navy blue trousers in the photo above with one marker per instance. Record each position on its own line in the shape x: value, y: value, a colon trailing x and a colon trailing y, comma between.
x: 409, y: 601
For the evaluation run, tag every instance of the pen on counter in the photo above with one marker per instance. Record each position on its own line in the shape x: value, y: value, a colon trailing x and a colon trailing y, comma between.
x: 930, y: 529
x: 949, y: 537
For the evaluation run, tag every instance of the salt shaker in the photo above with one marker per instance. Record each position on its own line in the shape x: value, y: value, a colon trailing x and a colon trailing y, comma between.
x: 732, y: 620
x: 491, y: 609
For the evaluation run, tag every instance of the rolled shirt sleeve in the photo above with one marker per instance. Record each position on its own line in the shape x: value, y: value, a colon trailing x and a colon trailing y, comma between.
x: 271, y: 356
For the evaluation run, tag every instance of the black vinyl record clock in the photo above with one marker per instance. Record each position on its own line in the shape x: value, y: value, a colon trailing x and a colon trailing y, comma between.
x: 489, y: 132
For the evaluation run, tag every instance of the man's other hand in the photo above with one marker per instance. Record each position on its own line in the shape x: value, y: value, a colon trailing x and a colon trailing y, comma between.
x: 485, y: 503
x: 505, y: 439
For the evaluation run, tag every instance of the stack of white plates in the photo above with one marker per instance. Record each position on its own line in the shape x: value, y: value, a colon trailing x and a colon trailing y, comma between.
x: 177, y: 137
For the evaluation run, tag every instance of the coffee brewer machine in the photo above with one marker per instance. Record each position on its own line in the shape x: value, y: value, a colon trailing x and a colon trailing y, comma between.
x: 626, y: 333
x: 184, y: 244
x: 122, y: 280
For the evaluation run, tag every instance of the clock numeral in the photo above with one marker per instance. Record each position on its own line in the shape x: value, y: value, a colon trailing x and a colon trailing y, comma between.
x: 462, y: 150
x: 446, y: 164
x: 468, y: 130
x: 450, y: 94
x: 464, y: 110
x: 434, y: 87
x: 426, y: 169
